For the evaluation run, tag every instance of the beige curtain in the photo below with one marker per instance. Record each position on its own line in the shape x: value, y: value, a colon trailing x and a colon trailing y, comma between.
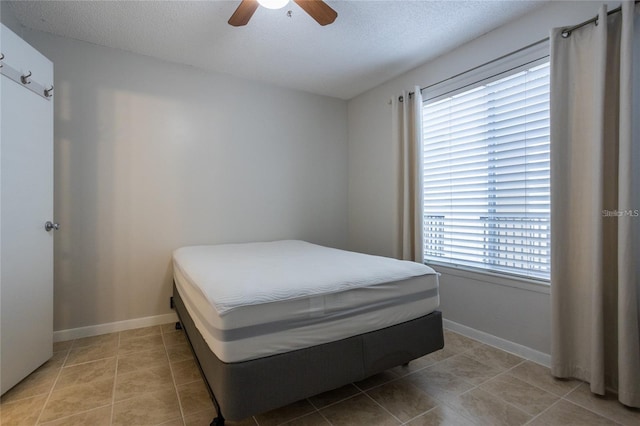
x: 407, y: 130
x: 595, y: 157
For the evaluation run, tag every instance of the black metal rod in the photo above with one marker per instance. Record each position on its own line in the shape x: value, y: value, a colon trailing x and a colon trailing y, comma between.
x: 220, y: 418
x: 566, y: 31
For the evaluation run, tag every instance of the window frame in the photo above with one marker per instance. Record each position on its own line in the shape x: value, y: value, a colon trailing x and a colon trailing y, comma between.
x: 522, y: 59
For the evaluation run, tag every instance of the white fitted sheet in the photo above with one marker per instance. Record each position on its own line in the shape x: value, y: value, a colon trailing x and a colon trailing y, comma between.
x: 245, y: 311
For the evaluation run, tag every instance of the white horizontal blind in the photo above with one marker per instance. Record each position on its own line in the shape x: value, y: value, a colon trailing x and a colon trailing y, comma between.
x: 486, y: 176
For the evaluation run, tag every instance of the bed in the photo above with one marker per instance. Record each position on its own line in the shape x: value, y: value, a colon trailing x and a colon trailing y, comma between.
x: 275, y: 322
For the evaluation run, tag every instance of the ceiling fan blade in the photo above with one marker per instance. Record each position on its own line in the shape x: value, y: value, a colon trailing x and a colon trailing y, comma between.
x: 319, y: 10
x: 243, y: 13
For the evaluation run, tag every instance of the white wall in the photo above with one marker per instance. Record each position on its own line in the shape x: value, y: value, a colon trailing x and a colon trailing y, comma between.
x: 151, y: 156
x: 8, y: 18
x: 519, y: 314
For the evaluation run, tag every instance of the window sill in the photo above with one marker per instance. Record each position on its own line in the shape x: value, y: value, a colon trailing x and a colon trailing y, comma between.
x: 521, y: 283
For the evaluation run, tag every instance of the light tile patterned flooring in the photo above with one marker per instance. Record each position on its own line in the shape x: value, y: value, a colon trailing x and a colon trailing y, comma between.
x: 148, y: 377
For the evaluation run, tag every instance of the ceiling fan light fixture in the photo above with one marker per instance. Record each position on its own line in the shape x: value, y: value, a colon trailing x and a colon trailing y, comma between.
x: 273, y: 4
x: 317, y: 9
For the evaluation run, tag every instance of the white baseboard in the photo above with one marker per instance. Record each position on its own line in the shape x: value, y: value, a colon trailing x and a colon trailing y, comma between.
x: 489, y: 339
x: 500, y: 343
x: 112, y: 327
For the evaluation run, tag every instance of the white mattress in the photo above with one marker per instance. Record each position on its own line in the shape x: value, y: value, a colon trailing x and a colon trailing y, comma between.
x: 259, y: 299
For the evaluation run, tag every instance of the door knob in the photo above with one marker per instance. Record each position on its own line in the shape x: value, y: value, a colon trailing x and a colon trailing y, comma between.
x: 48, y: 226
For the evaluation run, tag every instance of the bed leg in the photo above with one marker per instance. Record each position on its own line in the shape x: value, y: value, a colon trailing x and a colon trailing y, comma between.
x: 218, y: 421
x: 178, y: 325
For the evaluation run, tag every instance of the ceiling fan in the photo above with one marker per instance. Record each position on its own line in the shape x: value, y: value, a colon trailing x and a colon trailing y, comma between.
x: 317, y: 9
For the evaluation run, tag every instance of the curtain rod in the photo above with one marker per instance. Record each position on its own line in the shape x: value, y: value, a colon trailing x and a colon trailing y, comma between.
x: 478, y: 66
x: 566, y: 32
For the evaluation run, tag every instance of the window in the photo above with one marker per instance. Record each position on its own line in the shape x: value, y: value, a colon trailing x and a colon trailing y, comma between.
x: 486, y: 175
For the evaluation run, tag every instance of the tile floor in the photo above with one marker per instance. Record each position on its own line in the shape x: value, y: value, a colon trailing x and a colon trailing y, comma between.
x: 148, y: 377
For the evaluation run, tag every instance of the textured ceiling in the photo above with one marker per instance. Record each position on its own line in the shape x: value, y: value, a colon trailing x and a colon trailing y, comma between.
x: 369, y: 43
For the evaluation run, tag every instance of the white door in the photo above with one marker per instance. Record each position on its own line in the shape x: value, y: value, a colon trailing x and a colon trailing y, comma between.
x: 26, y: 203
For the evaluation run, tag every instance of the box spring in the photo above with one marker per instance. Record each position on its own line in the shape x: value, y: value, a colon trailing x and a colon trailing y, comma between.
x: 247, y: 388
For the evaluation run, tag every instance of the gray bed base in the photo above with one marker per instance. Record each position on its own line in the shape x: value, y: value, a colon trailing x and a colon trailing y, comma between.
x: 247, y: 388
